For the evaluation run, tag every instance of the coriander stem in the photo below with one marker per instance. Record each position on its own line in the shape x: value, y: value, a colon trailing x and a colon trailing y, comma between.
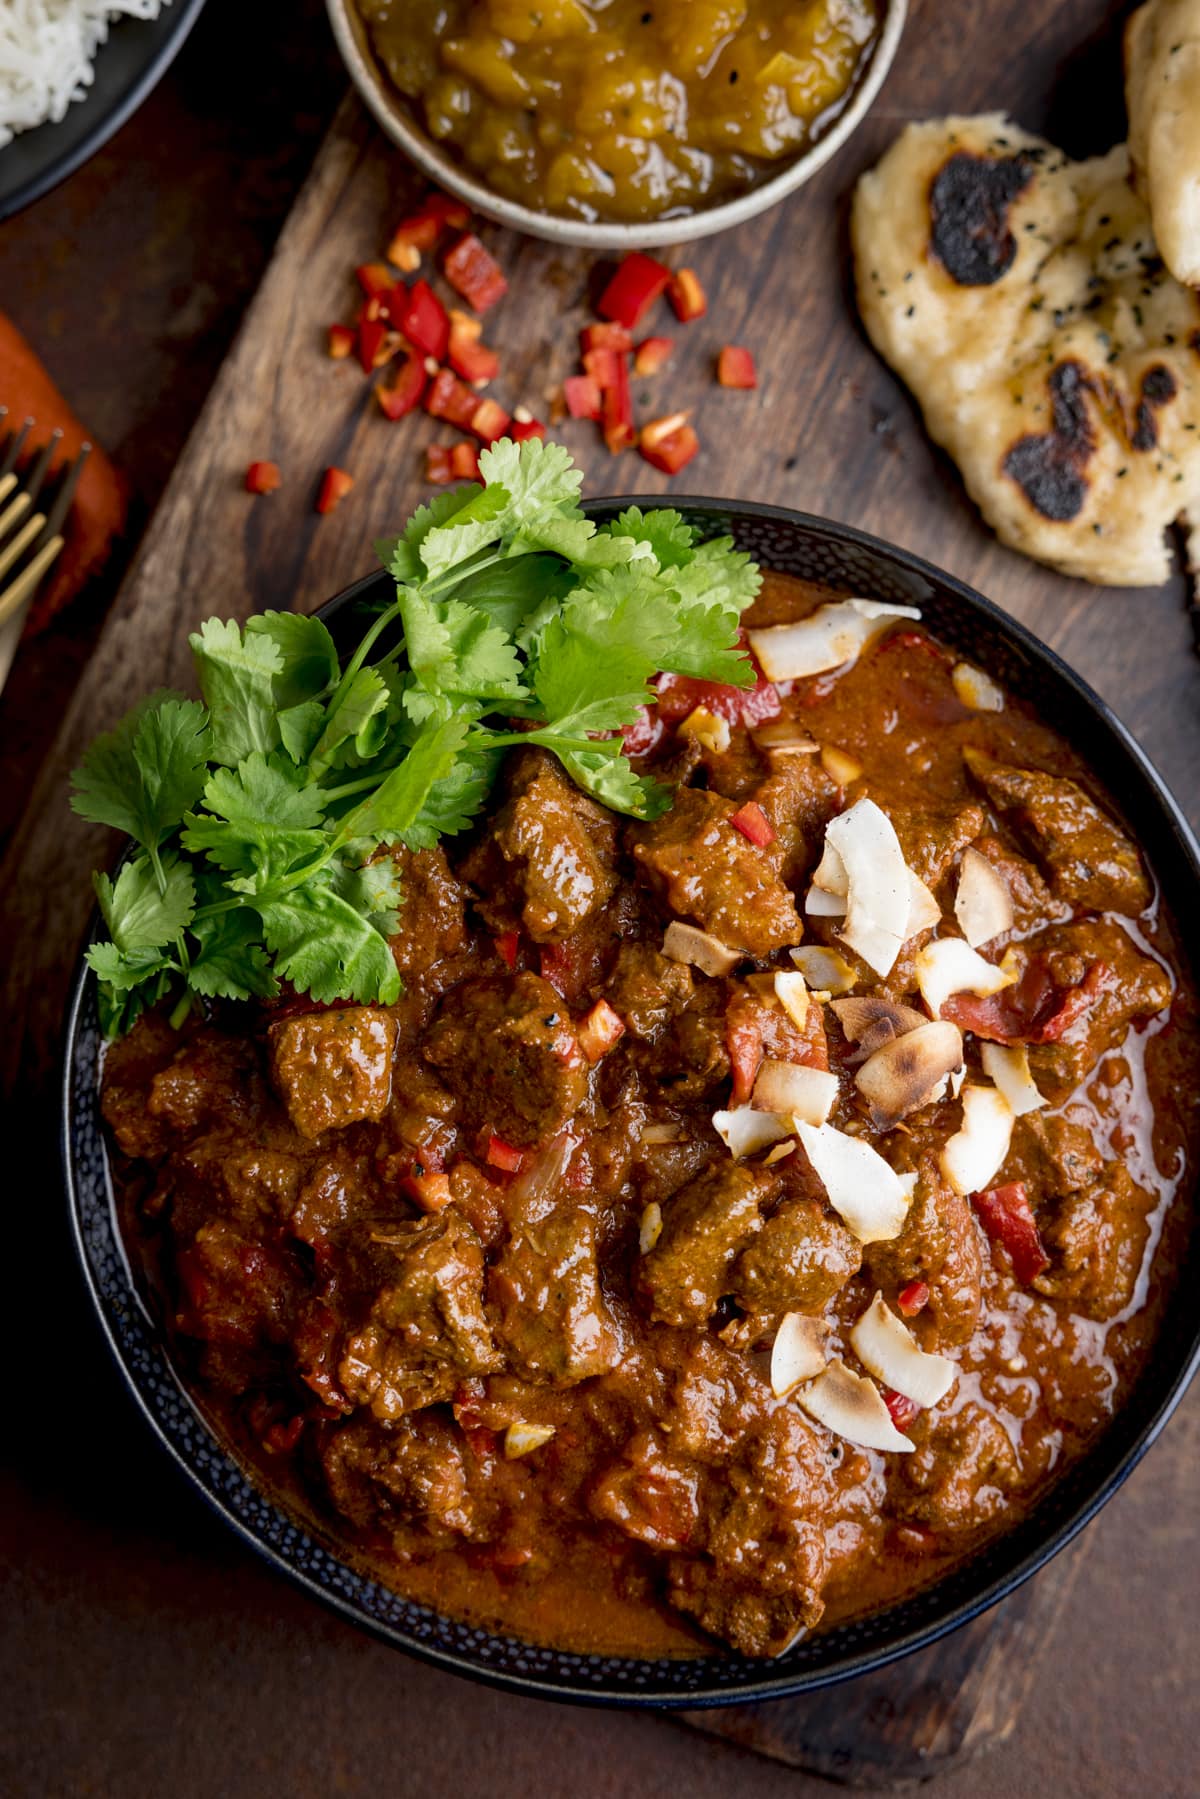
x: 182, y: 1007
x: 362, y: 652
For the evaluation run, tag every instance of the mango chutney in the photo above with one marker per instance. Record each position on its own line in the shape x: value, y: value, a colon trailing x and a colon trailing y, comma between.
x: 622, y: 109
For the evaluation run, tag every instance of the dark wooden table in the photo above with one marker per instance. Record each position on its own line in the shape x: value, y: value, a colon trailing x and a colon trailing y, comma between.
x: 141, y: 1650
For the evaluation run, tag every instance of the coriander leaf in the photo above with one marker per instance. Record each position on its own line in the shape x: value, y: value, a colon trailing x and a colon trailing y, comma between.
x: 299, y: 728
x: 231, y: 962
x: 543, y: 513
x: 472, y: 527
x: 365, y: 694
x: 138, y: 915
x: 254, y: 856
x: 593, y: 663
x: 697, y: 638
x: 662, y: 528
x: 308, y: 659
x: 142, y: 777
x: 402, y: 555
x: 394, y: 810
x: 372, y: 888
x: 718, y: 575
x: 120, y: 1005
x: 519, y: 593
x: 266, y: 791
x: 610, y: 778
x: 237, y: 678
x: 325, y: 948
x: 453, y: 649
x: 122, y: 970
x: 454, y: 803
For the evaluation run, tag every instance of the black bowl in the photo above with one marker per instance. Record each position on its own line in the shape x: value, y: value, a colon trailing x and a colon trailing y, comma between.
x: 127, y: 67
x: 817, y: 549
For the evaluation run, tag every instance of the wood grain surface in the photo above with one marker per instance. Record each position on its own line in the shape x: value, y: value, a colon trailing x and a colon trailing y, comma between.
x: 828, y: 431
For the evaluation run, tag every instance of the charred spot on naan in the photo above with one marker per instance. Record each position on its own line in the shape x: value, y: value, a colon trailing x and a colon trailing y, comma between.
x: 969, y: 202
x: 1048, y: 466
x: 1158, y: 387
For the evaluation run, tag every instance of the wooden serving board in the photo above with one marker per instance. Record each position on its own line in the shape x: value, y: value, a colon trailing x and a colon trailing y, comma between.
x: 828, y: 431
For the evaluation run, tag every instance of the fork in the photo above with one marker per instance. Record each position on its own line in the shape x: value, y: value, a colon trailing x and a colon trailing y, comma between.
x: 30, y: 539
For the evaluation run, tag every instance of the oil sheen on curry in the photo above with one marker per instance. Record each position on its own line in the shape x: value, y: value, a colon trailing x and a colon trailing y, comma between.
x: 742, y: 1216
x: 622, y: 109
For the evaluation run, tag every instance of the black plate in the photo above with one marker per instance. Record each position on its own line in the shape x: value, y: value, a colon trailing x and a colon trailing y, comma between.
x: 127, y: 67
x: 817, y: 549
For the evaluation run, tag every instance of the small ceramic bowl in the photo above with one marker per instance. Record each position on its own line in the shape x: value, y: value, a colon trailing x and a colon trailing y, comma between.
x: 389, y: 109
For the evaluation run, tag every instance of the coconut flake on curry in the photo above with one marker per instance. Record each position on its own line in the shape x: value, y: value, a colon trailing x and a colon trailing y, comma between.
x: 676, y: 1262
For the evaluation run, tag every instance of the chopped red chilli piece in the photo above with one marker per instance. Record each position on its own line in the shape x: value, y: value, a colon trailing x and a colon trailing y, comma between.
x: 1035, y: 1010
x: 423, y: 229
x: 637, y: 284
x: 262, y: 477
x: 904, y: 1411
x: 604, y: 366
x: 619, y: 430
x: 335, y: 485
x: 679, y: 695
x: 500, y: 1154
x: 582, y: 396
x: 1007, y: 1217
x: 372, y: 343
x: 913, y: 1298
x: 506, y: 948
x: 430, y: 1191
x: 438, y: 470
x: 652, y: 354
x: 605, y: 337
x: 474, y: 273
x: 735, y: 367
x: 451, y: 399
x: 489, y: 421
x: 644, y: 734
x: 668, y: 444
x: 521, y: 430
x: 375, y: 279
x: 341, y: 341
x: 687, y: 297
x: 402, y: 393
x: 420, y: 315
x: 464, y: 460
x: 469, y: 356
x: 600, y: 1030
x: 754, y: 824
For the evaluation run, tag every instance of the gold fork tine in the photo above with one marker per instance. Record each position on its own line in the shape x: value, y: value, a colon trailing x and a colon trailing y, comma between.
x: 41, y: 532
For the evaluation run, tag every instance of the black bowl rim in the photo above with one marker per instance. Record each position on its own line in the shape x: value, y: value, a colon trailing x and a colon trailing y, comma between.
x: 175, y: 24
x: 769, y: 1686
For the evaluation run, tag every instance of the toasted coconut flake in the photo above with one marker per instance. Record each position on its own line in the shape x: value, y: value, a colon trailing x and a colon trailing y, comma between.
x: 798, y: 1352
x: 1009, y: 1069
x: 878, y: 883
x: 872, y: 1020
x: 825, y: 970
x: 523, y: 1439
x: 949, y: 965
x: 983, y: 904
x: 780, y: 1153
x: 851, y: 1406
x: 888, y: 1350
x: 820, y: 904
x: 977, y: 690
x: 710, y: 731
x: 746, y: 1130
x: 906, y: 1073
x: 791, y: 990
x: 792, y: 1091
x: 651, y: 1227
x: 783, y: 736
x: 976, y: 1152
x: 839, y: 765
x: 923, y: 910
x: 830, y: 872
x: 687, y: 943
x: 827, y: 638
x: 859, y: 1183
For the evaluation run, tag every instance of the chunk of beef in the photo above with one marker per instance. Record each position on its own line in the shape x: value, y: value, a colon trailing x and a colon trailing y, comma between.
x: 931, y: 839
x: 1124, y: 986
x: 709, y: 873
x: 651, y: 1494
x: 508, y: 1052
x: 552, y: 1318
x: 799, y: 799
x: 802, y: 1256
x: 940, y: 1246
x: 239, y: 1295
x: 1097, y: 1242
x: 416, y: 1471
x: 1056, y: 1155
x: 547, y: 861
x: 187, y: 1086
x: 705, y: 1225
x: 222, y: 1176
x: 1088, y: 857
x: 959, y: 1477
x: 431, y: 921
x: 693, y: 1057
x: 425, y: 1326
x: 751, y: 1621
x: 648, y: 990
x: 1033, y: 902
x: 333, y: 1068
x: 757, y: 1028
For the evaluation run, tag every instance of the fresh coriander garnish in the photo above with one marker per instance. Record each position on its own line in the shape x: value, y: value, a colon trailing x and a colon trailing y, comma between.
x: 257, y: 816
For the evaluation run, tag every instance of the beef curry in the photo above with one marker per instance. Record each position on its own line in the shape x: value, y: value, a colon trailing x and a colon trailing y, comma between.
x: 682, y: 1260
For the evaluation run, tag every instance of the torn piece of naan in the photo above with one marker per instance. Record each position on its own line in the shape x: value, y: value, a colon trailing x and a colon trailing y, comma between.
x: 1162, y: 93
x: 1021, y: 297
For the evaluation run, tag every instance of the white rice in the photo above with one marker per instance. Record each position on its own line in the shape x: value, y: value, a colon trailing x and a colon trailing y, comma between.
x: 47, y: 48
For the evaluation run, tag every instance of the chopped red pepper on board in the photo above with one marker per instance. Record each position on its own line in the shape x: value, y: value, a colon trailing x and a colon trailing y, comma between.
x: 469, y: 355
x: 668, y: 443
x: 402, y: 393
x: 420, y: 315
x: 489, y: 421
x: 652, y: 354
x: 904, y: 1411
x: 688, y: 299
x: 375, y: 279
x: 600, y: 1030
x: 735, y: 367
x: 913, y: 1298
x: 582, y: 396
x: 753, y: 824
x: 637, y: 284
x: 619, y: 430
x: 438, y: 471
x: 451, y: 399
x: 262, y: 477
x: 372, y: 343
x: 335, y: 485
x: 464, y: 460
x: 422, y: 229
x: 474, y: 273
x: 1007, y: 1217
x: 604, y: 366
x: 605, y: 337
x: 341, y: 341
x: 500, y: 1154
x: 521, y: 430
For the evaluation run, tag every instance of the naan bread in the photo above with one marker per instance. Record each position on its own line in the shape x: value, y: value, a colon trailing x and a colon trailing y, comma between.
x: 1021, y: 297
x: 1162, y: 92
